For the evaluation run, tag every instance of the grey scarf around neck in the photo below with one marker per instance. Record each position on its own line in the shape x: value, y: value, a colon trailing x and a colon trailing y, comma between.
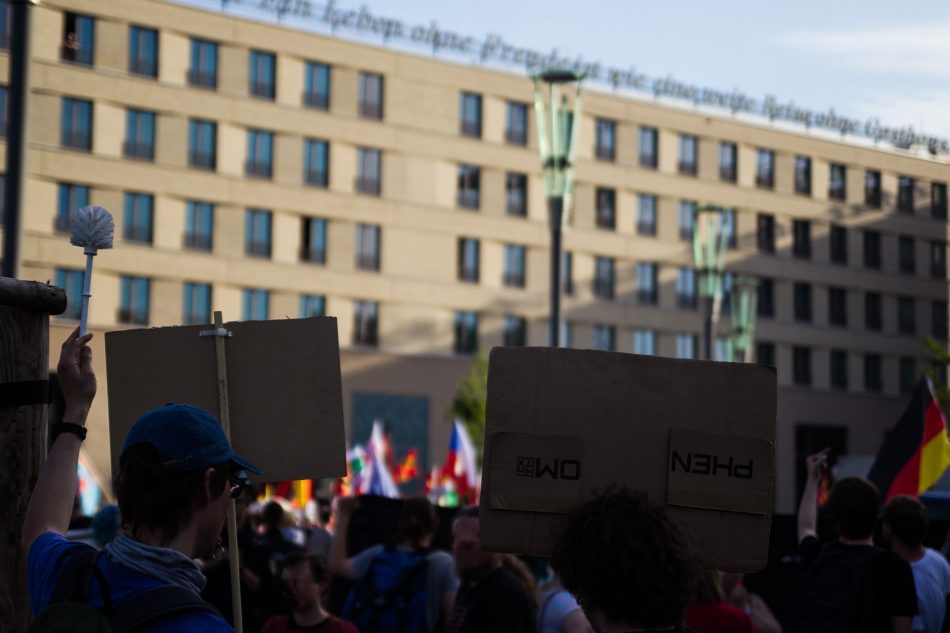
x: 163, y: 563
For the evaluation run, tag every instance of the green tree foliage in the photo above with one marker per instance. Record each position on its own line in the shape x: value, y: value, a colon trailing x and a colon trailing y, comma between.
x: 470, y: 399
x: 939, y: 358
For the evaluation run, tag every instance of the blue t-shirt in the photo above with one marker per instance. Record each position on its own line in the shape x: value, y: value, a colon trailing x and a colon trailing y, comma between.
x: 45, y: 562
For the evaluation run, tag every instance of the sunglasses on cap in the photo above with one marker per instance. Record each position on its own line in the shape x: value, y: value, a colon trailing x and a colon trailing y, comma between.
x: 238, y: 482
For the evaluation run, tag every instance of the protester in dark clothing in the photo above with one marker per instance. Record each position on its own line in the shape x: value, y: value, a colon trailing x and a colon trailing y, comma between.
x: 277, y: 544
x: 626, y: 562
x: 849, y: 585
x: 491, y: 598
x: 304, y: 579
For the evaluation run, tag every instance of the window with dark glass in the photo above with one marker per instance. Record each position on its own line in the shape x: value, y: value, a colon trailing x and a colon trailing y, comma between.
x: 468, y: 259
x: 367, y: 246
x: 257, y: 232
x: 567, y: 273
x: 133, y: 300
x: 466, y: 332
x: 725, y: 304
x: 516, y: 194
x: 605, y: 337
x: 316, y: 162
x: 905, y: 194
x: 567, y: 333
x: 872, y: 310
x: 906, y: 315
x: 872, y: 249
x: 838, y: 242
x: 765, y: 353
x: 143, y: 51
x: 365, y: 323
x: 196, y: 303
x: 765, y: 232
x: 260, y: 154
x: 199, y: 225
x: 137, y: 215
x: 646, y: 214
x: 139, y: 135
x: 369, y: 171
x: 938, y: 318
x: 801, y: 365
x: 262, y: 74
x: 765, y: 168
x: 255, y: 304
x: 872, y: 189
x: 71, y: 198
x: 872, y: 373
x: 644, y: 342
x: 606, y: 208
x: 71, y: 282
x: 604, y: 277
x: 76, y: 124
x: 689, y: 154
x: 312, y: 306
x: 515, y: 331
x: 316, y: 89
x: 79, y: 38
x: 938, y: 259
x: 687, y: 215
x: 371, y: 95
x: 802, y: 301
x: 938, y: 200
x: 470, y: 114
x: 202, y: 144
x: 686, y: 345
x: 803, y: 175
x: 469, y: 186
x: 647, y: 283
x: 839, y: 369
x: 765, y: 305
x: 838, y: 307
x: 514, y: 272
x: 906, y: 259
x: 5, y: 18
x: 4, y: 107
x: 730, y: 228
x: 686, y: 288
x: 203, y: 72
x: 606, y: 135
x: 516, y: 123
x: 801, y: 238
x: 837, y: 181
x: 728, y: 161
x: 648, y: 146
x: 907, y: 374
x: 313, y: 246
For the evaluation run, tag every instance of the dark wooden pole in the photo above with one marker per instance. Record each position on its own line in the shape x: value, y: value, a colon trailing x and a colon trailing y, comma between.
x: 24, y: 378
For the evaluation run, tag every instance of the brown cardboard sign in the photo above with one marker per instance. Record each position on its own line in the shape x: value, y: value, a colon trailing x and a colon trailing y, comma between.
x: 607, y: 418
x: 284, y: 387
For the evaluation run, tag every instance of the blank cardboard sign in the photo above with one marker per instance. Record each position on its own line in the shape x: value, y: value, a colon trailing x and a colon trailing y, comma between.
x: 284, y: 387
x: 696, y: 436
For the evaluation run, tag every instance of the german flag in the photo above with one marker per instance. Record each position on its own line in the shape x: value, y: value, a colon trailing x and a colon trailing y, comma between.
x: 916, y: 451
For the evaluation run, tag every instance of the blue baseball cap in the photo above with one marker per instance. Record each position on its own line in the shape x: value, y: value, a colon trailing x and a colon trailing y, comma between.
x: 186, y: 438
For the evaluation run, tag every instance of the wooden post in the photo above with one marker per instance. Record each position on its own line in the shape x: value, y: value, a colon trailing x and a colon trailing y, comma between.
x: 24, y: 393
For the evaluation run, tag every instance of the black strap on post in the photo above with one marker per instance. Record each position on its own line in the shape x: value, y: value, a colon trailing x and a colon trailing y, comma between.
x: 24, y: 393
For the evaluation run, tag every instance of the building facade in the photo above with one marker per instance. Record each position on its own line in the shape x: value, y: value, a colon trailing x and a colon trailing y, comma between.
x: 268, y: 173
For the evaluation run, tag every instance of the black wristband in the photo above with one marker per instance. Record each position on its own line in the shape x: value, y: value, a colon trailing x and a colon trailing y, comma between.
x: 68, y: 427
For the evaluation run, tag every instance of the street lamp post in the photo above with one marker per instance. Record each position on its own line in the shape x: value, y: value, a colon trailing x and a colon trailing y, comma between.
x: 709, y: 257
x: 557, y: 145
x: 745, y: 296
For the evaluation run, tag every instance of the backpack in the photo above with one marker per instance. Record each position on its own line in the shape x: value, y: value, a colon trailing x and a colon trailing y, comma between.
x: 391, y: 596
x: 67, y: 610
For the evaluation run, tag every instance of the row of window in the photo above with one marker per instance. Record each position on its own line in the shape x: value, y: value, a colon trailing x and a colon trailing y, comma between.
x: 838, y: 369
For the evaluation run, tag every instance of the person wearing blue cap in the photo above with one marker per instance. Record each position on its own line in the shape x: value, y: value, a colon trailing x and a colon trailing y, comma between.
x: 177, y: 473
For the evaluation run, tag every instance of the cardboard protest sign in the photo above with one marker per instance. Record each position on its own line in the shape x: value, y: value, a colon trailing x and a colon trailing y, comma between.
x: 696, y: 436
x: 284, y: 386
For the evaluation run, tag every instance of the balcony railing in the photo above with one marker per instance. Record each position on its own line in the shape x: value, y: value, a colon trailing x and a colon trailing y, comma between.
x: 514, y: 280
x: 202, y: 160
x: 646, y: 297
x: 76, y: 140
x: 127, y: 315
x: 257, y: 248
x: 319, y: 100
x: 137, y: 233
x: 605, y: 152
x: 686, y: 233
x: 263, y: 89
x: 73, y: 54
x: 604, y: 288
x: 370, y: 186
x: 872, y: 198
x: 687, y: 167
x: 516, y: 137
x: 765, y: 180
x: 365, y: 333
x: 687, y: 302
x: 144, y: 67
x: 258, y: 169
x: 646, y: 228
x: 836, y: 192
x: 648, y: 160
x: 138, y: 150
x: 367, y: 262
x: 316, y: 177
x: 516, y: 204
x: 803, y: 185
x: 468, y: 273
x: 727, y: 173
x: 606, y: 219
x: 202, y: 78
x: 468, y: 198
x: 371, y: 109
x: 197, y: 241
x: 313, y: 255
x: 472, y: 128
x: 63, y: 223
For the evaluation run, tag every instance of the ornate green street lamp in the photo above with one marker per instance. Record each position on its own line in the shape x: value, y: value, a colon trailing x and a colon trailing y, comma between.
x: 557, y: 145
x: 745, y: 296
x: 709, y: 257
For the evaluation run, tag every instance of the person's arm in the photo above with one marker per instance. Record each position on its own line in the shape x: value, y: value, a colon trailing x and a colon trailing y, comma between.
x: 339, y: 563
x: 808, y: 508
x: 51, y: 504
x: 575, y: 622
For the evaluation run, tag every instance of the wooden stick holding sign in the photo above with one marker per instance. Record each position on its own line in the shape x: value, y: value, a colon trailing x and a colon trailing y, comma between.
x: 220, y: 333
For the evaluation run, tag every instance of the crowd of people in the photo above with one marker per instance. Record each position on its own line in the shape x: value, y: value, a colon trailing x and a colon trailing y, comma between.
x: 620, y: 563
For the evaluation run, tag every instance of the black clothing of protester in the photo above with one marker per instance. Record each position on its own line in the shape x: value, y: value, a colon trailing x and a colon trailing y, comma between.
x: 852, y: 588
x: 498, y: 603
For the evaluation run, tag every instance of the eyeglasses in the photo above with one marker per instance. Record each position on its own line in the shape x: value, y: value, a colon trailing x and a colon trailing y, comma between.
x: 238, y: 481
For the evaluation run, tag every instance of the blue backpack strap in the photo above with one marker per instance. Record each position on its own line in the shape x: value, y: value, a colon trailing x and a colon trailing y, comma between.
x: 154, y: 604
x: 75, y: 579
